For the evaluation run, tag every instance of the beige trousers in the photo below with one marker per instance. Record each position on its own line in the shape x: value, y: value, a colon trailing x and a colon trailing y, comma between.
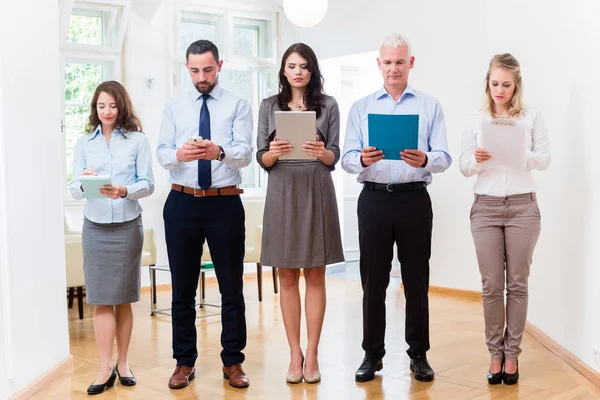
x: 505, y: 231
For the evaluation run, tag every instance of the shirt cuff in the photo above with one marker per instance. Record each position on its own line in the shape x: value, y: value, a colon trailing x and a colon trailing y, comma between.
x: 130, y: 191
x: 429, y: 162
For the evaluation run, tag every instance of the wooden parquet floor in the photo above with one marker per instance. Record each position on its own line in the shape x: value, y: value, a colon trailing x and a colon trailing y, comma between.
x: 458, y: 355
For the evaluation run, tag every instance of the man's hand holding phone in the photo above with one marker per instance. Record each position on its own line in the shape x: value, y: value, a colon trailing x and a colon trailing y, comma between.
x: 190, y: 151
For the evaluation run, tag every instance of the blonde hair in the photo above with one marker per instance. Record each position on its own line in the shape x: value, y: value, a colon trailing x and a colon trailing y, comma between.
x: 508, y: 63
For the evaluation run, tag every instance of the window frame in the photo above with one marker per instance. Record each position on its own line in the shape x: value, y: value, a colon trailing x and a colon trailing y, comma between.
x: 111, y: 71
x: 118, y: 22
x: 109, y: 56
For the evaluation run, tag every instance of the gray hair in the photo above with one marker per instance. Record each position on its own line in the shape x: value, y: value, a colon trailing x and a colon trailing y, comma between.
x: 396, y: 40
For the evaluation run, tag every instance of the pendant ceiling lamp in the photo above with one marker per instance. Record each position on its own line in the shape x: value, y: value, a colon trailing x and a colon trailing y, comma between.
x: 305, y: 13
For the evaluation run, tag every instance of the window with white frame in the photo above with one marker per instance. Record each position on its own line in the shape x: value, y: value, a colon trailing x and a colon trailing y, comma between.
x: 246, y: 43
x: 92, y: 32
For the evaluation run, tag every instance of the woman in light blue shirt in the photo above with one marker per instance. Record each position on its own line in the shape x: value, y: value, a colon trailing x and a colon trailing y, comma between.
x: 113, y: 235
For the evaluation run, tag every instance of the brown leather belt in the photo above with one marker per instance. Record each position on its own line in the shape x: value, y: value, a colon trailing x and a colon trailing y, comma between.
x: 224, y: 191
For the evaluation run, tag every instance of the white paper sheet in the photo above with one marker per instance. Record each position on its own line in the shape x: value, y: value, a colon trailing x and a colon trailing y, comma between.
x: 506, y: 141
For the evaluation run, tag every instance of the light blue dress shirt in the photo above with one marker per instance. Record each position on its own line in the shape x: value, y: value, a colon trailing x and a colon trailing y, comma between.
x: 230, y: 128
x: 127, y: 160
x: 432, y: 137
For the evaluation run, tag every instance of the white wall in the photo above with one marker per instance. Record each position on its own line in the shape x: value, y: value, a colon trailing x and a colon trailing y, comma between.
x: 33, y: 312
x: 453, y: 42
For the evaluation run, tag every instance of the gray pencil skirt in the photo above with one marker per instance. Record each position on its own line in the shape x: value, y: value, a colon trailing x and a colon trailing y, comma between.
x: 301, y: 227
x: 112, y: 257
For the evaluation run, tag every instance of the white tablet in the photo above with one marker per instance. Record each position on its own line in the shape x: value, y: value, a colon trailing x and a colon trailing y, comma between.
x: 91, y: 185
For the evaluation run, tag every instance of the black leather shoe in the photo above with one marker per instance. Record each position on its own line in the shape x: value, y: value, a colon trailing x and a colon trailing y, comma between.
x: 97, y: 389
x: 511, y: 379
x: 366, y: 371
x: 422, y: 369
x: 495, y: 379
x: 126, y: 380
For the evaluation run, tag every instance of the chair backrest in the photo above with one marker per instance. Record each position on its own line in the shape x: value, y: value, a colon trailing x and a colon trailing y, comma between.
x: 74, y: 260
x: 254, y: 209
x: 149, y: 246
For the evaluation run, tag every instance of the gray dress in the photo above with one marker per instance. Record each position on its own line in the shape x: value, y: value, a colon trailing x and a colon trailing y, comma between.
x: 301, y: 227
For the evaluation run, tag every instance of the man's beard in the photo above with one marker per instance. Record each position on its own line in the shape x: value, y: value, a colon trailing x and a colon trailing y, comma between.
x: 206, y: 89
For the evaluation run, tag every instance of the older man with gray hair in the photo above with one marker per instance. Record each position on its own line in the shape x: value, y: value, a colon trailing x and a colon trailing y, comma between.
x: 394, y: 206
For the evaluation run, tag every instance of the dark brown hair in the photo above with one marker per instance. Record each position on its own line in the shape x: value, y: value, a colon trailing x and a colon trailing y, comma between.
x: 313, y: 97
x: 126, y: 119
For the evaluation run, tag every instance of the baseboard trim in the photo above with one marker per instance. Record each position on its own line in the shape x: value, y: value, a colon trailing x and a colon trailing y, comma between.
x: 564, y: 354
x: 351, y: 254
x: 59, y: 369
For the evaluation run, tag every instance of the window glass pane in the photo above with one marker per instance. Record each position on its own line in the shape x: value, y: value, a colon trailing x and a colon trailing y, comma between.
x: 249, y: 175
x: 81, y: 81
x: 252, y: 38
x: 242, y: 83
x: 69, y: 165
x: 196, y: 26
x: 85, y: 29
x: 245, y: 85
x: 185, y: 82
x: 270, y: 82
x: 76, y: 118
x: 245, y: 41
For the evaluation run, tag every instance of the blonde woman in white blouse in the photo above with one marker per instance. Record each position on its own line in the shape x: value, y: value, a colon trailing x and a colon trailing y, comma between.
x: 505, y: 218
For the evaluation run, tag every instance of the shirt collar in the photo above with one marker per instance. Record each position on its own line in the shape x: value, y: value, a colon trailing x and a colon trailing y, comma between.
x: 216, y: 93
x: 98, y: 131
x: 407, y: 91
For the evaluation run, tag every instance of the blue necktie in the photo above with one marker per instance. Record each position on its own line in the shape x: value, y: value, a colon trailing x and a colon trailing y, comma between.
x: 204, y: 175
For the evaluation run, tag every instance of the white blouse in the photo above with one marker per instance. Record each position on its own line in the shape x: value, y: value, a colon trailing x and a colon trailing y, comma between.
x: 505, y: 181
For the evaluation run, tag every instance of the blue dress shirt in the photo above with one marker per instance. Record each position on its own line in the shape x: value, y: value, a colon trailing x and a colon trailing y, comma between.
x: 230, y: 127
x: 432, y: 137
x: 127, y: 160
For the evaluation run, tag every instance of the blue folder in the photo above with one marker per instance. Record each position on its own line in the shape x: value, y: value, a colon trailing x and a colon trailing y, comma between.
x: 393, y: 133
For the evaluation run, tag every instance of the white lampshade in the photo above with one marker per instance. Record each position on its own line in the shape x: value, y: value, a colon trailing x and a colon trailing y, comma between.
x: 305, y: 13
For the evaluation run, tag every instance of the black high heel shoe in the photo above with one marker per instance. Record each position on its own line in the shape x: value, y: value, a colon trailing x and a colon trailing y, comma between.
x: 97, y: 389
x: 496, y: 379
x: 126, y: 380
x: 511, y: 379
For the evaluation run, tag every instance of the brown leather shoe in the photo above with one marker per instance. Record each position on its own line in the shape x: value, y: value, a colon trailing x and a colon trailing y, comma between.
x: 182, y: 377
x: 236, y: 376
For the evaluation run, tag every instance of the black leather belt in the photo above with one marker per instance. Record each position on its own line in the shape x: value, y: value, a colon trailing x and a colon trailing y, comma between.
x: 395, y: 187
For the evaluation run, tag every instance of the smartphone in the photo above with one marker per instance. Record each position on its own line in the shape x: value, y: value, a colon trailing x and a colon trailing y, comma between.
x: 194, y: 140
